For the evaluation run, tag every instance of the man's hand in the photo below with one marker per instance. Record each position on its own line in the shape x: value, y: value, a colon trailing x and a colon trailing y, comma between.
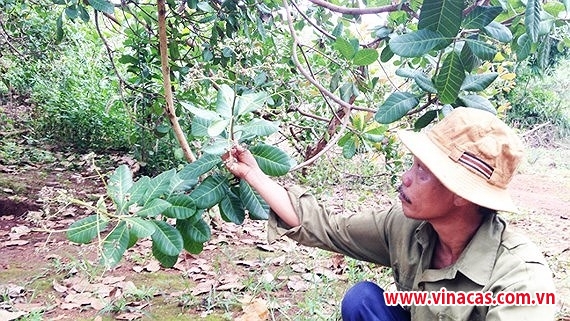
x: 240, y: 161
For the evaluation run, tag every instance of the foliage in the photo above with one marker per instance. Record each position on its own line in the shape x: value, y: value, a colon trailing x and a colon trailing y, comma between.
x: 238, y: 67
x: 56, y: 78
x: 541, y: 100
x: 169, y: 207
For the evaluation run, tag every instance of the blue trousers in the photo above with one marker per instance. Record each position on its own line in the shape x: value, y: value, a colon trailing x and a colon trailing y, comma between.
x: 365, y: 302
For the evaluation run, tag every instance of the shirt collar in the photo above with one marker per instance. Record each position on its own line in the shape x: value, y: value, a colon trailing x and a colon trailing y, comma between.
x: 478, y: 259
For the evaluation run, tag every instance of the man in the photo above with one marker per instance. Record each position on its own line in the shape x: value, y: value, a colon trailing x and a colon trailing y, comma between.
x: 445, y: 235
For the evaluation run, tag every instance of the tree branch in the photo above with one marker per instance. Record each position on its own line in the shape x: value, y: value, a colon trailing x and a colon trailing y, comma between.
x: 360, y: 11
x: 321, y: 88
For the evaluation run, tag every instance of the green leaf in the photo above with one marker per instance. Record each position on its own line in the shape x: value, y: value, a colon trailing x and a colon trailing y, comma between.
x: 478, y: 82
x: 210, y: 192
x: 257, y: 207
x: 365, y: 57
x: 499, y: 32
x: 178, y: 184
x: 217, y: 146
x: 114, y: 245
x: 167, y: 239
x: 481, y: 16
x: 182, y: 207
x: 218, y: 126
x: 449, y: 79
x: 346, y: 137
x: 83, y: 14
x: 481, y: 49
x: 153, y: 208
x: 118, y: 186
x: 59, y: 29
x: 347, y: 91
x: 200, y: 126
x: 133, y: 239
x: 407, y: 72
x: 71, y: 12
x: 205, y: 7
x: 344, y: 47
x: 566, y: 5
x: 415, y: 44
x: 349, y: 148
x: 250, y: 102
x: 102, y: 5
x: 164, y: 259
x: 260, y: 127
x: 425, y: 119
x: 468, y: 59
x: 337, y: 31
x: 335, y: 79
x: 137, y: 192
x: 443, y: 16
x: 195, y: 229
x: 199, y: 167
x: 231, y: 209
x: 524, y: 45
x: 395, y: 107
x: 476, y: 101
x: 532, y: 19
x: 225, y: 101
x: 139, y: 227
x: 86, y: 229
x: 386, y: 54
x: 374, y: 132
x: 160, y: 185
x: 205, y: 114
x: 423, y: 81
x: 272, y: 160
x: 193, y: 247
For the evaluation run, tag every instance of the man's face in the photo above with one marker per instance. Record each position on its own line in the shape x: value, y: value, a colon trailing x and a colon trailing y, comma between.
x: 422, y: 195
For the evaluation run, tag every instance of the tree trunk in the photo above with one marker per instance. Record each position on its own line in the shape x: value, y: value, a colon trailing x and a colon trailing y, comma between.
x: 169, y: 109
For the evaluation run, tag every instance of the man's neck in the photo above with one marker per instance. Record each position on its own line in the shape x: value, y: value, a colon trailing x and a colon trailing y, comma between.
x: 454, y: 233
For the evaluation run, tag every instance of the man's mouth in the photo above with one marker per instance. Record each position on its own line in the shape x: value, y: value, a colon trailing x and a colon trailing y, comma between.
x: 403, y: 196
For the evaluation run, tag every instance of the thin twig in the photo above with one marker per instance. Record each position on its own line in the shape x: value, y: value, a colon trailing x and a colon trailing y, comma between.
x: 323, y: 90
x: 324, y: 32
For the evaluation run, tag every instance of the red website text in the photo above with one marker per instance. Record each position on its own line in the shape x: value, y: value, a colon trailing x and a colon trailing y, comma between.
x: 444, y: 297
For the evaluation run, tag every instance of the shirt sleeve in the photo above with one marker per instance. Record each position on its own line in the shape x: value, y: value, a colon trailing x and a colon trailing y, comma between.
x: 363, y: 235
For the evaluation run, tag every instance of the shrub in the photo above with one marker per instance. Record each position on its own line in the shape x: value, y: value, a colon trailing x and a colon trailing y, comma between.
x: 539, y: 104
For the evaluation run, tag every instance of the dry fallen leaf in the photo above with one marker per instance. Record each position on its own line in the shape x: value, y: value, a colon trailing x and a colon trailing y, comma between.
x: 203, y: 287
x: 153, y: 266
x: 255, y: 310
x: 58, y: 287
x: 15, y: 243
x: 79, y: 298
x: 9, y: 316
x: 129, y: 316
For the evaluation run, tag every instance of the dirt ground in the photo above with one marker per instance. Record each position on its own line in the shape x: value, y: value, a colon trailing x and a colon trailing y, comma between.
x: 45, y: 277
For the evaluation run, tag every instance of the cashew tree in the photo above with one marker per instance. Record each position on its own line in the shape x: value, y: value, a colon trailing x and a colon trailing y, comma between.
x: 311, y: 75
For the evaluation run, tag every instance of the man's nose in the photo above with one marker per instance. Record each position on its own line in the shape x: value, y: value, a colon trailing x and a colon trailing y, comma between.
x: 406, y: 178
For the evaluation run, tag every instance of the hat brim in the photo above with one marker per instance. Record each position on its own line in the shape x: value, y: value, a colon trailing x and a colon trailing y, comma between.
x: 456, y: 177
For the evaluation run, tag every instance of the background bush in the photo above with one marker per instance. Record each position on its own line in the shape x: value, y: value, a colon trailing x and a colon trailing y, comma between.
x: 540, y: 103
x: 73, y: 89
